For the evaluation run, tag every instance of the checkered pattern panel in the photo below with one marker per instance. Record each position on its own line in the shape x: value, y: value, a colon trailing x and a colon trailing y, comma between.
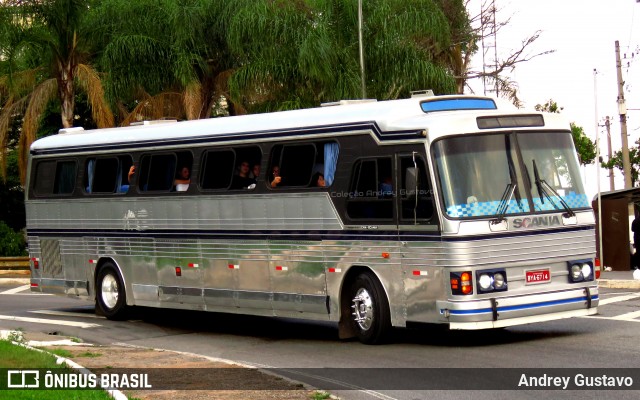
x: 479, y: 209
x: 573, y: 200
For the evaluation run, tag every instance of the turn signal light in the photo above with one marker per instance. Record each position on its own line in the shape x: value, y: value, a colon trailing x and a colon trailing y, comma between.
x: 467, y: 286
x: 461, y: 283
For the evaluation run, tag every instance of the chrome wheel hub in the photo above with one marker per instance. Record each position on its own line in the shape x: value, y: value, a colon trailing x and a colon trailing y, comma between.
x: 109, y: 291
x: 363, y: 309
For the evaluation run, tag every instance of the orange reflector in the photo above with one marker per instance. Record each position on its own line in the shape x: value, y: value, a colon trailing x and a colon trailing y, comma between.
x: 455, y: 284
x: 178, y: 271
x: 467, y: 286
x: 385, y: 255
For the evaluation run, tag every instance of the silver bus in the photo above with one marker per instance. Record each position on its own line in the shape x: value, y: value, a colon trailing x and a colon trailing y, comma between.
x: 433, y: 209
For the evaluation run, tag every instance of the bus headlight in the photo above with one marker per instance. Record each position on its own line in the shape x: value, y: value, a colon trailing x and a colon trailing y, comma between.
x: 586, y: 271
x: 485, y: 281
x: 494, y: 280
x: 580, y: 271
x: 576, y: 272
x: 499, y: 281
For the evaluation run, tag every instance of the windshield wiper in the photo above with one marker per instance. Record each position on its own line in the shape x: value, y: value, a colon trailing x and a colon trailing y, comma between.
x: 541, y: 184
x: 504, y: 203
x: 511, y: 189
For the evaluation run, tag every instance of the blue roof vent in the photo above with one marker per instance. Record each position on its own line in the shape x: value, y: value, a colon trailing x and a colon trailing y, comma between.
x: 461, y: 103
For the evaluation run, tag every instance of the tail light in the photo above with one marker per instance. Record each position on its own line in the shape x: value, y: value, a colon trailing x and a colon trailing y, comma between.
x: 597, y: 268
x: 461, y: 283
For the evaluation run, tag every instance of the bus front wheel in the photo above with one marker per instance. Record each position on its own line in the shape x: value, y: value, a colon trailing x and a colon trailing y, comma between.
x: 111, y: 297
x: 370, y: 314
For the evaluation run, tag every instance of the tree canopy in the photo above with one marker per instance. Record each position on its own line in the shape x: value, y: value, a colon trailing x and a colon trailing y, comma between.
x: 634, y: 160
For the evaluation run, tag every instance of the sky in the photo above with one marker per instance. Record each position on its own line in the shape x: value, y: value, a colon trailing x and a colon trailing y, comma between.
x: 583, y: 35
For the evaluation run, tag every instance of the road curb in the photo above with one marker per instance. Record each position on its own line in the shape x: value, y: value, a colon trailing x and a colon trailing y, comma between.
x: 619, y: 284
x: 15, y: 281
x: 262, y: 368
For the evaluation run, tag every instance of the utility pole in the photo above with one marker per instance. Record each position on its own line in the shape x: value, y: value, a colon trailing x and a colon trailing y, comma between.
x: 622, y: 110
x: 607, y: 124
x: 361, y: 49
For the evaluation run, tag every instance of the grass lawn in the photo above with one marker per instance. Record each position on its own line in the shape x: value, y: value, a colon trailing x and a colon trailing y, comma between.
x: 17, y: 357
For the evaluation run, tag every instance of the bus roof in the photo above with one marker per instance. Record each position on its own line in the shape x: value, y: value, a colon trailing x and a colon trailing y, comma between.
x: 388, y: 120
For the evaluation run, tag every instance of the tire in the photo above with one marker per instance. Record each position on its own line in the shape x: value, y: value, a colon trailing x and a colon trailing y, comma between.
x: 110, y: 294
x: 370, y: 316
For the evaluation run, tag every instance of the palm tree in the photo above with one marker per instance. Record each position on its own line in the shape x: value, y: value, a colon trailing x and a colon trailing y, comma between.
x: 171, y: 60
x: 179, y: 57
x: 312, y: 51
x: 43, y: 56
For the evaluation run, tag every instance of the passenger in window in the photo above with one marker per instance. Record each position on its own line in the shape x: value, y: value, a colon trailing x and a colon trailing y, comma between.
x: 275, y: 177
x: 318, y: 180
x: 183, y: 179
x: 386, y: 187
x: 132, y: 171
x: 255, y: 172
x: 242, y: 179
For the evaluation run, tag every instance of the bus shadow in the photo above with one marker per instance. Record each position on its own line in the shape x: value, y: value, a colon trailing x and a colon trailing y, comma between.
x: 265, y: 328
x: 441, y: 336
x: 277, y: 329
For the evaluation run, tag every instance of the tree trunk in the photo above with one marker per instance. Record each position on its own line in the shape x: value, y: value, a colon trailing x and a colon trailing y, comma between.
x: 66, y: 92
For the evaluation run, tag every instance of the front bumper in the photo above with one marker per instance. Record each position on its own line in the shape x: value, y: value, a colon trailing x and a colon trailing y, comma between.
x: 504, y: 311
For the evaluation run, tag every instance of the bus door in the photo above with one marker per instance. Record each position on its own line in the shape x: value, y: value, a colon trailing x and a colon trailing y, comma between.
x: 418, y: 233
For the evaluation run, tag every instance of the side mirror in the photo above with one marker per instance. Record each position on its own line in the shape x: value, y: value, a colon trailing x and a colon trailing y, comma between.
x: 411, y: 181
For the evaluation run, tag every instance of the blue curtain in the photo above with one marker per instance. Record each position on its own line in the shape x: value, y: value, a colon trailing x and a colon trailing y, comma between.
x: 91, y: 167
x: 331, y: 151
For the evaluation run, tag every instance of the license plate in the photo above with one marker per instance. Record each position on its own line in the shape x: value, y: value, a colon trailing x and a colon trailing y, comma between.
x: 537, y: 276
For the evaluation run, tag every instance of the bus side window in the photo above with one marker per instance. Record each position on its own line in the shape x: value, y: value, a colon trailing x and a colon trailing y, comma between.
x: 65, y: 180
x: 55, y: 178
x: 107, y: 175
x: 371, y: 190
x: 44, y: 178
x: 217, y: 170
x: 158, y: 171
x: 294, y: 165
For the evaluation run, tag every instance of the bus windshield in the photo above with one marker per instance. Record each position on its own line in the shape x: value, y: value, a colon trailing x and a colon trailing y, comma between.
x: 488, y: 175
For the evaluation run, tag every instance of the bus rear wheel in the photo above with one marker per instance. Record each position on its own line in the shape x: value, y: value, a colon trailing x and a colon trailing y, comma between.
x: 370, y: 315
x: 110, y: 293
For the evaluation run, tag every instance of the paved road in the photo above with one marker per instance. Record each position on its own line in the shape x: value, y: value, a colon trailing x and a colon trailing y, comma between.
x: 604, y: 342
